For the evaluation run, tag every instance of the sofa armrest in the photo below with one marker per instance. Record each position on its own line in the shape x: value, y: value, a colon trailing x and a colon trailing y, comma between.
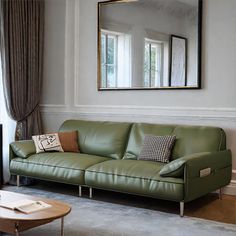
x: 22, y: 148
x: 218, y: 175
x: 198, y: 161
x: 176, y: 168
x: 215, y: 161
x: 217, y: 166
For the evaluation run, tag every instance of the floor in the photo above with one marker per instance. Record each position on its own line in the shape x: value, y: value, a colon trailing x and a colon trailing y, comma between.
x: 116, y: 214
x: 209, y: 207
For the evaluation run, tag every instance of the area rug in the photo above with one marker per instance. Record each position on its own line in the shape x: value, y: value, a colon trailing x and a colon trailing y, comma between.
x: 91, y: 217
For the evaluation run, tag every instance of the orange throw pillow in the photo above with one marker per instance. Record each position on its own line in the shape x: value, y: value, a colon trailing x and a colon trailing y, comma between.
x: 69, y: 141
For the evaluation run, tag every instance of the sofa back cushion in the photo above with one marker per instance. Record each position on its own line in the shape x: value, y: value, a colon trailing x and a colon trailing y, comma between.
x: 189, y: 139
x: 195, y: 139
x: 108, y: 139
x: 138, y: 133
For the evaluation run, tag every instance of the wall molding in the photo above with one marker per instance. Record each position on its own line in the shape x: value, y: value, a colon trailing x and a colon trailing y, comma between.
x: 184, y: 113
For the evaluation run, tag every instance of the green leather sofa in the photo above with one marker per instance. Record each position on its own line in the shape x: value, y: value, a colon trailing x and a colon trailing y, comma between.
x: 108, y: 160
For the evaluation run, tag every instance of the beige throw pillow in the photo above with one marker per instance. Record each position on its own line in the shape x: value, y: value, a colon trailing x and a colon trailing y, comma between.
x: 47, y: 143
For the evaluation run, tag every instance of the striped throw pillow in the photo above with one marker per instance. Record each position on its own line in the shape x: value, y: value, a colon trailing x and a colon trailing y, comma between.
x: 157, y: 148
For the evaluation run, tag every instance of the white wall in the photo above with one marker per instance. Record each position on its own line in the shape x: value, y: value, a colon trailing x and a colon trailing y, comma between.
x: 54, y: 55
x: 70, y: 82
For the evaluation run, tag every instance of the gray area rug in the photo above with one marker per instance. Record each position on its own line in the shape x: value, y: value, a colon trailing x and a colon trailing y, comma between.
x: 100, y: 218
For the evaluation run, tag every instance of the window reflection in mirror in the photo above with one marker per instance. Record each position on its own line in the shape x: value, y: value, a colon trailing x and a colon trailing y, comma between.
x: 155, y: 61
x: 116, y: 59
x: 137, y: 50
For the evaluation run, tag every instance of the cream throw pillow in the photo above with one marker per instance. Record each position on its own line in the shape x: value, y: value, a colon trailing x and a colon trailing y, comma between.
x: 47, y: 143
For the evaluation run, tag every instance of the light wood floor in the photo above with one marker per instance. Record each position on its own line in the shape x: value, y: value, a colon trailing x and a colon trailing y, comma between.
x: 208, y: 207
x: 211, y: 208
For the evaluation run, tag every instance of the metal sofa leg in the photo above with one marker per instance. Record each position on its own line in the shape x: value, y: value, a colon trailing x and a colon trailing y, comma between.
x: 90, y: 192
x: 80, y: 191
x: 181, y: 209
x: 220, y: 193
x: 18, y: 180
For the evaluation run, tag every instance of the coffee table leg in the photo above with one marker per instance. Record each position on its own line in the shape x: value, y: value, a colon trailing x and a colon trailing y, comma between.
x: 17, y: 233
x: 16, y: 230
x: 62, y: 226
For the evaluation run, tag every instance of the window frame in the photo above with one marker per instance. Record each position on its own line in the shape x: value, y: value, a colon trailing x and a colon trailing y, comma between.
x: 150, y: 43
x: 107, y: 33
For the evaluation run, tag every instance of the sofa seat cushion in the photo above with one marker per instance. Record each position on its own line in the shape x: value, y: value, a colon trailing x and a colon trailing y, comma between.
x: 137, y: 177
x: 62, y: 167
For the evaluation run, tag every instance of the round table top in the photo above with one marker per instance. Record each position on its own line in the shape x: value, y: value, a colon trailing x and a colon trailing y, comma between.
x: 58, y: 210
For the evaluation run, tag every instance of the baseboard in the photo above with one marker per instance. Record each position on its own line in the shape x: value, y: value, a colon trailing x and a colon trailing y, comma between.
x: 231, y: 188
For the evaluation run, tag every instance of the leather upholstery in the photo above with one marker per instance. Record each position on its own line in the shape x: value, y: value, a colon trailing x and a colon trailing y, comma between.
x: 137, y: 177
x: 216, y: 161
x: 137, y: 134
x: 103, y: 144
x: 23, y: 148
x: 64, y: 167
x: 194, y: 139
x: 197, y: 187
x: 107, y: 139
x: 189, y: 139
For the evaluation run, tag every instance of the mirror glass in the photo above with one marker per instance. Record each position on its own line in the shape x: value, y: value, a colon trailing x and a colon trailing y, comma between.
x: 149, y: 44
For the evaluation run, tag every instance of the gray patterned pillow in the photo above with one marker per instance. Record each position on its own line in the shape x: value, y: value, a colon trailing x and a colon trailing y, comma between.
x: 157, y: 148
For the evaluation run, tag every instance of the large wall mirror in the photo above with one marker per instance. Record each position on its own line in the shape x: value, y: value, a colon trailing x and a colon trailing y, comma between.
x: 149, y: 44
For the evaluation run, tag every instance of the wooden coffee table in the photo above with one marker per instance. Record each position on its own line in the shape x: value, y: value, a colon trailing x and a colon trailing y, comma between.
x: 14, y: 222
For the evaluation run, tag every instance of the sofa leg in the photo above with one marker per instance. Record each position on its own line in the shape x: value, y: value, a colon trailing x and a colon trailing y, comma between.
x: 80, y: 191
x: 220, y: 193
x: 181, y: 209
x: 90, y: 192
x: 18, y: 180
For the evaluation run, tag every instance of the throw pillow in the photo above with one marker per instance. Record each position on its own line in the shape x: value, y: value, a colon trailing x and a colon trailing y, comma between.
x: 47, y: 143
x: 157, y: 148
x: 69, y: 141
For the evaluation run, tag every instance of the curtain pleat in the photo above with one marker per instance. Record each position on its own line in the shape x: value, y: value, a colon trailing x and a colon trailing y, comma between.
x: 21, y: 44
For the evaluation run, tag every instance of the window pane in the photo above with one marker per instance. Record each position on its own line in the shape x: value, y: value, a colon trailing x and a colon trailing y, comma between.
x: 153, y: 64
x: 146, y: 65
x: 111, y: 50
x: 146, y: 79
x: 111, y: 78
x: 103, y: 48
x: 103, y: 76
x: 153, y: 57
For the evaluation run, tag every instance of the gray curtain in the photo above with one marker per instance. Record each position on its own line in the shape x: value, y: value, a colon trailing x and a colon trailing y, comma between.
x: 21, y: 45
